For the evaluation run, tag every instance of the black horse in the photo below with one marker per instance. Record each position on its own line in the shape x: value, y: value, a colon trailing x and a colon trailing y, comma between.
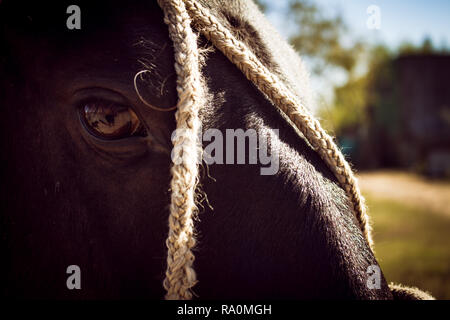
x: 74, y: 193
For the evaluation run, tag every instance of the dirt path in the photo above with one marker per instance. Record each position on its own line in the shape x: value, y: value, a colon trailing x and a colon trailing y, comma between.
x: 407, y: 188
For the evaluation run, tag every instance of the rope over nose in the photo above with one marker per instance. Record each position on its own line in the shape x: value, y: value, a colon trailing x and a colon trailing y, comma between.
x: 180, y: 275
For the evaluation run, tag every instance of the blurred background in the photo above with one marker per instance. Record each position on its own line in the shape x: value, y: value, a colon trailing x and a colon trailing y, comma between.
x: 381, y: 75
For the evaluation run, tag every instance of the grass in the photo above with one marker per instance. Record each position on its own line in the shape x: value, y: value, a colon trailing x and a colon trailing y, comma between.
x: 412, y: 245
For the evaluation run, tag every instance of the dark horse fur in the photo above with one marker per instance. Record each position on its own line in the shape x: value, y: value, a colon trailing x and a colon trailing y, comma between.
x: 71, y: 199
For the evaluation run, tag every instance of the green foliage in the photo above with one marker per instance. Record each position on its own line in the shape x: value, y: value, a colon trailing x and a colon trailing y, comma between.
x: 349, y: 111
x: 381, y: 89
x: 364, y: 100
x: 320, y: 37
x: 348, y: 108
x: 427, y: 47
x: 371, y: 99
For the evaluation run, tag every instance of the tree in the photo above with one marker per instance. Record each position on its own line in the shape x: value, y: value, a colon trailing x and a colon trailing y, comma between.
x: 318, y: 37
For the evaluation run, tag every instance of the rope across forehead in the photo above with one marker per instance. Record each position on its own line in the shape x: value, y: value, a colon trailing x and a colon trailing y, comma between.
x: 179, y: 16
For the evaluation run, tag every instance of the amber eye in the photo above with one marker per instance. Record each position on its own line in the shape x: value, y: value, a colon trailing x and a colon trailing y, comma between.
x: 111, y: 121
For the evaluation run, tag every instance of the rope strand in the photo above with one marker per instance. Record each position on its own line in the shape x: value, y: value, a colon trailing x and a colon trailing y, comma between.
x: 180, y: 275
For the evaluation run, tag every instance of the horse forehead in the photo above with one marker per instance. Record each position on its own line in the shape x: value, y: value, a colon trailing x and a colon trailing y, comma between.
x: 113, y: 40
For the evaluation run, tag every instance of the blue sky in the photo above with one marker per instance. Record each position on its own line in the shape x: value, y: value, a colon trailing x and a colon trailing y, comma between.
x: 401, y: 20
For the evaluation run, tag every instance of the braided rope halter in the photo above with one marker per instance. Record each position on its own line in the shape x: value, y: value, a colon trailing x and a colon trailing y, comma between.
x: 179, y: 15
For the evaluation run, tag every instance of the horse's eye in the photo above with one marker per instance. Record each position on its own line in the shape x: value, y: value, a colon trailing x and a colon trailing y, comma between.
x: 111, y: 121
